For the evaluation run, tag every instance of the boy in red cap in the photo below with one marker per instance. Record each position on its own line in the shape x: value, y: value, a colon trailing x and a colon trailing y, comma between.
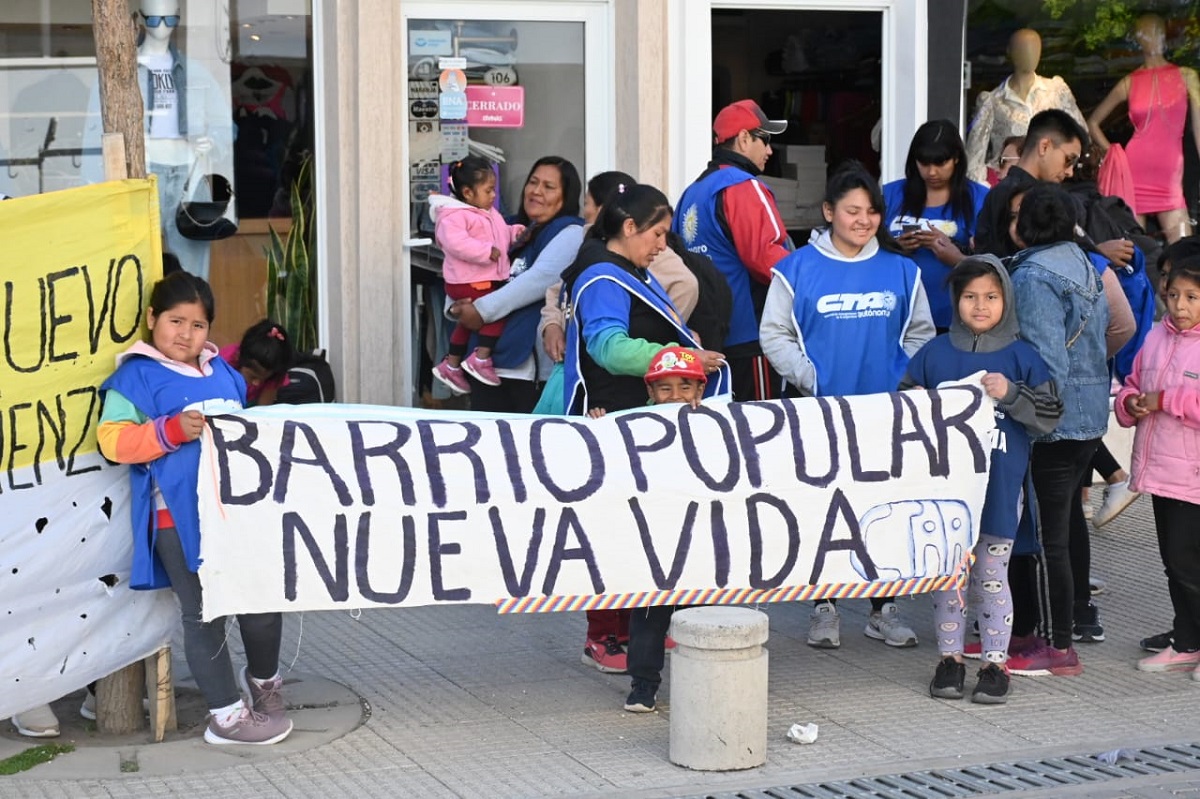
x: 676, y: 375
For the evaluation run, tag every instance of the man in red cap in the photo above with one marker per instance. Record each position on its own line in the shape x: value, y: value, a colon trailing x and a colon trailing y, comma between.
x: 730, y: 216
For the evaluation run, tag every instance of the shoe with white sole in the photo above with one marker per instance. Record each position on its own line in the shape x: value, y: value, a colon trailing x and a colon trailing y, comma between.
x: 1117, y: 497
x: 37, y: 722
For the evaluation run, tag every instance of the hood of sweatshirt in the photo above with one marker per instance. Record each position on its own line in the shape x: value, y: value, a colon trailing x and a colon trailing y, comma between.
x: 446, y: 203
x: 1005, y: 332
x: 823, y: 241
x: 147, y: 350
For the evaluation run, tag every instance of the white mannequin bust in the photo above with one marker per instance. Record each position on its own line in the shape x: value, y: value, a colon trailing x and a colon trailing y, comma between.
x: 176, y: 149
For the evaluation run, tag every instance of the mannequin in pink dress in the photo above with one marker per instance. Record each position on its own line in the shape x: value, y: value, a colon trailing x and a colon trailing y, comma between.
x: 1160, y: 95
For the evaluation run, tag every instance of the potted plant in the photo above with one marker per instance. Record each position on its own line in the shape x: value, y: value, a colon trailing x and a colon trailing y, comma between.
x: 291, y: 270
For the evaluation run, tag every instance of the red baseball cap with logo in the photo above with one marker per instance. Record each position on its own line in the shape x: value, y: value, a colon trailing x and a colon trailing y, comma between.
x: 675, y: 362
x: 744, y: 115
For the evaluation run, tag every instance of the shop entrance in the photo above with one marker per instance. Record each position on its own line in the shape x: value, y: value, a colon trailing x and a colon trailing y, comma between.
x: 821, y: 71
x: 503, y: 81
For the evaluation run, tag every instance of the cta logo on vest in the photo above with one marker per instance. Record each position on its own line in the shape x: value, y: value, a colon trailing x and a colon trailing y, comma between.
x: 856, y: 305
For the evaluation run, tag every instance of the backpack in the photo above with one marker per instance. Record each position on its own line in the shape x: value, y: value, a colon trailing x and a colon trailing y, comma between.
x: 309, y: 380
x: 1109, y: 218
x: 714, y: 306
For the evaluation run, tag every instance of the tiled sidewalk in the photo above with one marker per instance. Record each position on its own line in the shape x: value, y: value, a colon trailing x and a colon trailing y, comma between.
x: 465, y: 703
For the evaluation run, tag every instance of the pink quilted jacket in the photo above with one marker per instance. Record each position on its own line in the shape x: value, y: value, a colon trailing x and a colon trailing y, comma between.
x: 467, y: 235
x: 1166, y: 446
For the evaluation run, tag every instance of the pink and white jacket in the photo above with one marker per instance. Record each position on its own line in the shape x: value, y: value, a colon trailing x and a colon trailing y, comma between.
x: 1166, y: 446
x: 467, y: 235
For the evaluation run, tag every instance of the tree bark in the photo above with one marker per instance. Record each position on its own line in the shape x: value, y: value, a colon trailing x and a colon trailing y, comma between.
x: 120, y: 100
x: 119, y: 696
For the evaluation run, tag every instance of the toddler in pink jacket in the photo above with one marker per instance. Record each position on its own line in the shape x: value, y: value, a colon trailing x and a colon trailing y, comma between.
x: 1162, y: 397
x: 475, y: 240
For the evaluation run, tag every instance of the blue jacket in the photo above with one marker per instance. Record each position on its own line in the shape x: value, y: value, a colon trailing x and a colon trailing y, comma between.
x: 157, y: 391
x: 696, y: 222
x: 1063, y: 313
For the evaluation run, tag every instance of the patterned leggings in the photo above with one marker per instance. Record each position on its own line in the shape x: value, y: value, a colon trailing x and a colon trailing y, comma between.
x: 989, y: 593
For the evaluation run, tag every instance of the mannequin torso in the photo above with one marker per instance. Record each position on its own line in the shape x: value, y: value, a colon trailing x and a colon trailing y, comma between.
x: 1006, y: 111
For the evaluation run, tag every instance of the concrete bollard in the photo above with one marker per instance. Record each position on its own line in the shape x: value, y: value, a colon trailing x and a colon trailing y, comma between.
x: 719, y: 688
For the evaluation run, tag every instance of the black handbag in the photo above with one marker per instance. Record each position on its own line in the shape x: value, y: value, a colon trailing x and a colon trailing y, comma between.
x: 207, y: 220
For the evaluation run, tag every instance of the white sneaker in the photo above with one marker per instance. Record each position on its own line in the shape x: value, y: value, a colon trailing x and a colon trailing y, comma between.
x: 885, y: 625
x: 825, y: 627
x: 88, y: 708
x: 1117, y: 497
x: 37, y: 722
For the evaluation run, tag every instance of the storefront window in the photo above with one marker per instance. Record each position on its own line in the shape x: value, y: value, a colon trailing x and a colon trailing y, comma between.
x: 1091, y: 45
x: 229, y: 91
x: 524, y: 99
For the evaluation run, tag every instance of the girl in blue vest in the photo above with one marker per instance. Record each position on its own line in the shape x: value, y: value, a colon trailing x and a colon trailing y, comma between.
x: 932, y: 210
x: 843, y: 316
x: 984, y: 337
x: 620, y: 317
x: 154, y: 410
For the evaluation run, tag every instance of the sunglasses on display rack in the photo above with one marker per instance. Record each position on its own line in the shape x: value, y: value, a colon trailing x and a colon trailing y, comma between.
x: 154, y: 20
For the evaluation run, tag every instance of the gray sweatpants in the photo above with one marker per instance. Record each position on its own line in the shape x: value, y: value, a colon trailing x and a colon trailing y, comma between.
x: 204, y: 642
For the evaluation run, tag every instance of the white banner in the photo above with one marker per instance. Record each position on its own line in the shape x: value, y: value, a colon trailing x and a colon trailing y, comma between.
x: 342, y: 506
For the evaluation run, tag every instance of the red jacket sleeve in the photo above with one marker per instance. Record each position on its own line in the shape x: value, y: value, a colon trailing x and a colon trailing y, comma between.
x: 759, y: 235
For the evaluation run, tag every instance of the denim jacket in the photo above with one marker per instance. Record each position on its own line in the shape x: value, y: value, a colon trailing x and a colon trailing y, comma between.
x: 1063, y: 313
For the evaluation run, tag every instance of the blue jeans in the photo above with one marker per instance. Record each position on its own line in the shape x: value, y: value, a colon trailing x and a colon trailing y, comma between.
x: 193, y: 255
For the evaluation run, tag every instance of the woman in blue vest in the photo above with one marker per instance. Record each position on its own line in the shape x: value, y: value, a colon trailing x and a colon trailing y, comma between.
x: 843, y: 316
x: 620, y: 318
x: 554, y: 231
x: 932, y: 210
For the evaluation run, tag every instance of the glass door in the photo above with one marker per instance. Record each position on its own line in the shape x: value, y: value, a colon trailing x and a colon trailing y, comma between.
x: 511, y: 82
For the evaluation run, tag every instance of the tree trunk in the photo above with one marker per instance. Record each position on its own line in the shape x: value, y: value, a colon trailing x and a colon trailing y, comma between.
x: 120, y: 100
x: 119, y: 696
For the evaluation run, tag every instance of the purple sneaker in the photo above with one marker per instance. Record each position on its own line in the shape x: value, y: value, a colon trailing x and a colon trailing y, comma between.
x: 481, y: 369
x: 248, y: 727
x: 452, y: 378
x: 266, y: 698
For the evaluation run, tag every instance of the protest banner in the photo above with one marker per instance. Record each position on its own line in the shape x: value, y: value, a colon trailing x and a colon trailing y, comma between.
x: 76, y: 270
x: 323, y: 507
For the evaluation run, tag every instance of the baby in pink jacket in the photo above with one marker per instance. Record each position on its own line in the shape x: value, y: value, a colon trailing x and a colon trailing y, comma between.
x: 1162, y: 397
x: 475, y: 240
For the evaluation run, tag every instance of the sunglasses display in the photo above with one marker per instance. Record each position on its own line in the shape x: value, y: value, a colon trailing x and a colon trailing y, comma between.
x: 155, y: 20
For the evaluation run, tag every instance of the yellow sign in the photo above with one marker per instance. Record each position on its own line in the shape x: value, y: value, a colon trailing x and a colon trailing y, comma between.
x: 76, y: 270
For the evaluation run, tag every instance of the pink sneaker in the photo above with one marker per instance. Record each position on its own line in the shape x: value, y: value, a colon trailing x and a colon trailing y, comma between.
x: 1170, y: 660
x: 1045, y: 660
x: 266, y: 698
x: 481, y: 369
x: 452, y: 378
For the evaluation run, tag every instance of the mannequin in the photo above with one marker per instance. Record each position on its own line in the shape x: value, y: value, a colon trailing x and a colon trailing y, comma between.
x: 1007, y: 110
x: 188, y: 118
x: 1160, y: 95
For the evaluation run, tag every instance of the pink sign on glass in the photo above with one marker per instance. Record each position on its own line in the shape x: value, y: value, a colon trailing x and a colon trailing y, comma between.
x: 496, y: 106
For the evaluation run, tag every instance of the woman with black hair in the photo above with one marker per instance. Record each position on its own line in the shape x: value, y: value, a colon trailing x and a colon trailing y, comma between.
x: 843, y: 315
x: 932, y: 210
x: 553, y: 233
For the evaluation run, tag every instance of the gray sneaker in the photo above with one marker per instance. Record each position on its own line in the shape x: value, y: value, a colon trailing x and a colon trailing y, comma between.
x: 248, y: 727
x: 825, y: 627
x: 267, y: 699
x: 885, y: 625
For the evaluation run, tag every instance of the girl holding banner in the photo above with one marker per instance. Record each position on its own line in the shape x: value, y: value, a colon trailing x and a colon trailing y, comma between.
x: 620, y: 318
x: 154, y: 409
